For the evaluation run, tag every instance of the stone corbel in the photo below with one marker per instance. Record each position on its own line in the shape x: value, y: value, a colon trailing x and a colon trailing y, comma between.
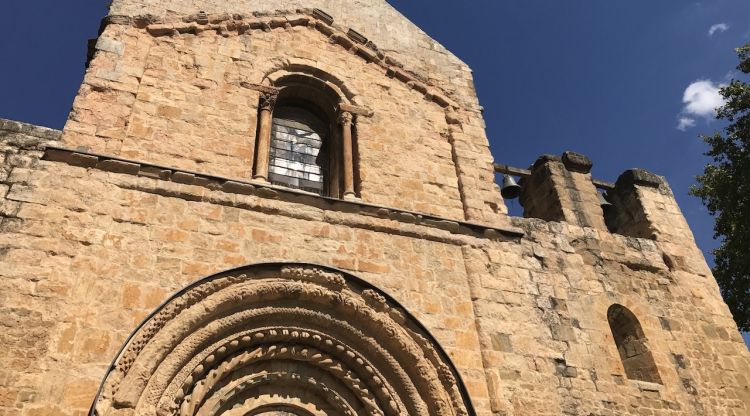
x: 356, y: 110
x: 267, y: 89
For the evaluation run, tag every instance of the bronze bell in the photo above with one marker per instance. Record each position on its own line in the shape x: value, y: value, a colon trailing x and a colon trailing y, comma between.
x: 606, y: 205
x: 510, y: 189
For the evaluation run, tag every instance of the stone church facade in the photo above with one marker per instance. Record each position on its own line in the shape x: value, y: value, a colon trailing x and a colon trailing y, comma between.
x: 289, y: 208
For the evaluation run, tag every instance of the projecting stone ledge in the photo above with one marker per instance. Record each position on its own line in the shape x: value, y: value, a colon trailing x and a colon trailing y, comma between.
x: 196, y: 186
x: 639, y: 177
x: 26, y: 136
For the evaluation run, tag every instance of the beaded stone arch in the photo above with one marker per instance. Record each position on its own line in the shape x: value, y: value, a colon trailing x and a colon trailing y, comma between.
x: 303, y: 338
x: 344, y: 92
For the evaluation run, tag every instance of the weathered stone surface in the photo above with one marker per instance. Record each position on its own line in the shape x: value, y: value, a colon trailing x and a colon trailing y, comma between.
x: 130, y: 112
x: 561, y: 189
x: 577, y: 162
x: 91, y: 245
x: 639, y: 177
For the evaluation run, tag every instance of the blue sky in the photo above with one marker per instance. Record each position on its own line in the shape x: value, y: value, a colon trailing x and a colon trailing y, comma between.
x: 604, y: 78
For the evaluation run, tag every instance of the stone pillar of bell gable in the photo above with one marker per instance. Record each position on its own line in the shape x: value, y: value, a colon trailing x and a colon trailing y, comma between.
x: 645, y: 207
x: 561, y: 189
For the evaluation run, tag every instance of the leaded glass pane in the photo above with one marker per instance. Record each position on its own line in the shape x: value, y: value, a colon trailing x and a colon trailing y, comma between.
x: 297, y: 140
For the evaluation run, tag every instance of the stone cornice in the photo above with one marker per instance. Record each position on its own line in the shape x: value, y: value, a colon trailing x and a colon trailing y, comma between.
x: 27, y: 136
x: 268, y: 191
x: 347, y: 38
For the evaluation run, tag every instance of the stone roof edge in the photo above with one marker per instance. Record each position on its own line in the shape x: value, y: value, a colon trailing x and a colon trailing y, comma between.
x: 27, y: 129
x: 268, y: 191
x: 444, y: 49
x: 347, y: 38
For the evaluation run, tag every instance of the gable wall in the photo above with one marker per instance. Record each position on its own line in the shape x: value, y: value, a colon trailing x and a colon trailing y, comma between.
x: 182, y: 101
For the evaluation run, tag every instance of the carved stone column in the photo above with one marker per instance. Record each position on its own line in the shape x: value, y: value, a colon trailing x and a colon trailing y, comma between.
x: 346, y: 121
x: 267, y: 102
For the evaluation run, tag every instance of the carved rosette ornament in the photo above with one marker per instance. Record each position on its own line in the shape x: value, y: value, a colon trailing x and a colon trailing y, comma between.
x: 295, y: 338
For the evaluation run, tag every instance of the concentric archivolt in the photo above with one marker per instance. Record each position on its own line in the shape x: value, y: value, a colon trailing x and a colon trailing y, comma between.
x: 295, y: 338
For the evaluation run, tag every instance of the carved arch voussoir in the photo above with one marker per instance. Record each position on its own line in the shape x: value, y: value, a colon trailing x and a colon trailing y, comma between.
x: 242, y: 338
x: 315, y: 70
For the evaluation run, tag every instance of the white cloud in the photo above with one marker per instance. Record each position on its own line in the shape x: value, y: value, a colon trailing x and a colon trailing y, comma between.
x: 719, y: 27
x: 685, y: 123
x: 702, y: 98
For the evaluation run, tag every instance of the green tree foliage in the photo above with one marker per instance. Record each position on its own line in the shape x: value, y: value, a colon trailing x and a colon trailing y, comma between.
x: 724, y: 188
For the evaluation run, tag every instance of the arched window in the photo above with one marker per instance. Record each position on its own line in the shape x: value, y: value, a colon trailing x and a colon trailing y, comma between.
x: 305, y: 138
x: 632, y: 345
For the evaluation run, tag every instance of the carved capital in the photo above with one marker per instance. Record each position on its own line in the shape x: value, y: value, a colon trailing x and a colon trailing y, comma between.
x: 268, y: 100
x: 346, y: 118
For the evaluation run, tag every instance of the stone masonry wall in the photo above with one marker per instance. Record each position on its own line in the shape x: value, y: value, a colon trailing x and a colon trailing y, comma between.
x: 183, y: 93
x: 547, y: 347
x: 92, y: 252
x: 186, y: 95
x: 375, y: 19
x: 94, y: 245
x: 148, y: 190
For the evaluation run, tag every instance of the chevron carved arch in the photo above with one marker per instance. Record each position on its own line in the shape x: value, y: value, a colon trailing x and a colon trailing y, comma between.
x: 305, y: 339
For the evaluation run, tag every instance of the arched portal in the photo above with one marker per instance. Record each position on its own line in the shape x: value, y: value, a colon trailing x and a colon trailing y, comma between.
x: 282, y: 339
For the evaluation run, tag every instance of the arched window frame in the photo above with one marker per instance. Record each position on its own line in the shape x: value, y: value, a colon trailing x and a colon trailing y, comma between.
x: 632, y: 345
x: 317, y: 96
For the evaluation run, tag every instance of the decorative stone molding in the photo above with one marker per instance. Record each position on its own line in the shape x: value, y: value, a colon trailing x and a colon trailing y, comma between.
x: 346, y: 118
x: 323, y: 16
x: 316, y: 19
x: 196, y: 186
x: 268, y: 100
x: 27, y: 136
x: 260, y: 88
x: 316, y: 275
x: 357, y: 37
x: 356, y: 110
x: 298, y: 67
x: 220, y: 338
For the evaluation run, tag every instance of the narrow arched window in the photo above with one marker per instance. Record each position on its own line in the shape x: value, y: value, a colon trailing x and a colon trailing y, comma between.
x: 305, y: 138
x: 636, y: 357
x: 299, y: 156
